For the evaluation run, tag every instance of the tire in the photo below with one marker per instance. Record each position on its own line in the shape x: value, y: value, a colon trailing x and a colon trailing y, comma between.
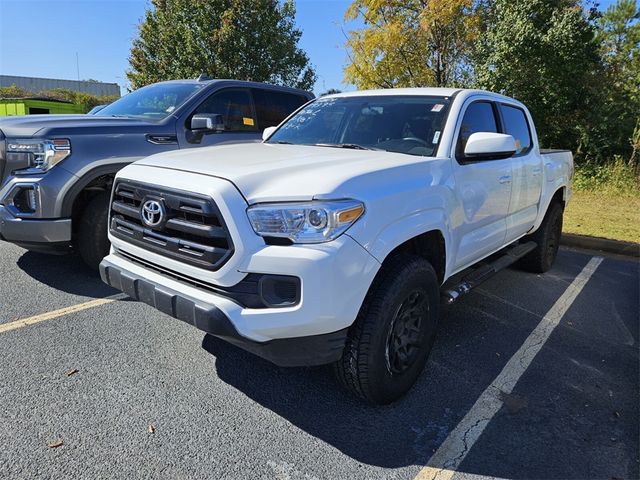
x: 92, y: 242
x: 547, y: 237
x: 401, y: 306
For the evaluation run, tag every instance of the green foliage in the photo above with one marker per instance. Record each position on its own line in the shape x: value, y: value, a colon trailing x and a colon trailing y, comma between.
x: 243, y: 39
x: 13, y: 92
x: 616, y: 177
x: 410, y: 43
x: 618, y: 36
x: 544, y: 53
x: 86, y: 100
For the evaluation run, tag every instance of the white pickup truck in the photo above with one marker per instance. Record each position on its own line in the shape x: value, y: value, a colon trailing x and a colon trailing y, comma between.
x: 337, y: 238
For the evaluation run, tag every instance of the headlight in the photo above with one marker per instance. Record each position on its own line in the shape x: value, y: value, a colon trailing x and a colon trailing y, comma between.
x: 312, y: 222
x: 40, y: 154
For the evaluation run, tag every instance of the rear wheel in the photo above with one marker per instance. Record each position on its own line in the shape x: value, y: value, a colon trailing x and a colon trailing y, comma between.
x: 92, y: 242
x: 388, y: 344
x: 547, y: 237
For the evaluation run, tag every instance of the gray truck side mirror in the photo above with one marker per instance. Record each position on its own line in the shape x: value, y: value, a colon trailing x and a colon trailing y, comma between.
x: 207, y: 122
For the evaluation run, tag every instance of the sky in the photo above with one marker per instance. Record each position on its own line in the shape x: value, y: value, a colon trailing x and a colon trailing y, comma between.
x: 40, y: 38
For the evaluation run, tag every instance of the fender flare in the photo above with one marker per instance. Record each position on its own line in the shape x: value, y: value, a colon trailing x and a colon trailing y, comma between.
x: 72, y: 193
x: 547, y: 202
x: 411, y: 226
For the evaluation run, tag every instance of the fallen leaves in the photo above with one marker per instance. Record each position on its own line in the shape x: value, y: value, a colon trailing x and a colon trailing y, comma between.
x: 151, y: 429
x: 73, y: 371
x: 55, y: 444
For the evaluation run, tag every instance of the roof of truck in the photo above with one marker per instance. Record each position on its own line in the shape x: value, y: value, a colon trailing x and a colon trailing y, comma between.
x: 426, y: 91
x: 246, y: 83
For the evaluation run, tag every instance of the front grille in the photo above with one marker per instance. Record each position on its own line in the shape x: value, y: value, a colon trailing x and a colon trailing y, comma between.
x: 190, y: 230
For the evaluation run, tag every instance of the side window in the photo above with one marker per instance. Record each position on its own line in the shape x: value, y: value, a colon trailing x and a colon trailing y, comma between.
x: 515, y: 124
x: 272, y: 106
x: 479, y: 117
x: 235, y: 106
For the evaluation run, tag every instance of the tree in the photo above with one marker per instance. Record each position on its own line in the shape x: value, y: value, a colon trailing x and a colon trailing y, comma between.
x: 243, y: 39
x: 409, y: 43
x: 331, y: 91
x: 619, y: 39
x: 544, y: 53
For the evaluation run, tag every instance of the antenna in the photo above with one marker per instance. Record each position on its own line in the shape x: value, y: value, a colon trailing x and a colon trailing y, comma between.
x: 78, y: 67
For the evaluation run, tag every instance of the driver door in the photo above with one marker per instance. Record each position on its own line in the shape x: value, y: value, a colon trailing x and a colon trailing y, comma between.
x: 483, y: 190
x: 236, y: 107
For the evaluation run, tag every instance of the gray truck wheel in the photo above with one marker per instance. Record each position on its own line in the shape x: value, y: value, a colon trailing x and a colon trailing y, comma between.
x: 388, y: 344
x: 547, y: 237
x: 91, y: 242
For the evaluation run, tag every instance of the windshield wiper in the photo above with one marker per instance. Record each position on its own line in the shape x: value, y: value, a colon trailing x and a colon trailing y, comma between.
x: 281, y: 142
x: 353, y: 146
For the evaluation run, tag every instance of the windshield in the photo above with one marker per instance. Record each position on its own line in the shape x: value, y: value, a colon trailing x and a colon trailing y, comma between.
x: 394, y: 123
x: 153, y: 102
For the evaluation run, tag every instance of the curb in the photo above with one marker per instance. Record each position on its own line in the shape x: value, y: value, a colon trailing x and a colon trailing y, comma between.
x: 629, y: 249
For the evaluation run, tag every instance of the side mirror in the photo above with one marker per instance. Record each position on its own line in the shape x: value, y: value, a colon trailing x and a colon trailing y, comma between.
x: 207, y: 122
x: 488, y: 145
x: 267, y: 132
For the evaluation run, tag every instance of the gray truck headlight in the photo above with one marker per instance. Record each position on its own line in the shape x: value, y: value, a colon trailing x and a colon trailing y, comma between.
x: 311, y: 222
x: 38, y: 153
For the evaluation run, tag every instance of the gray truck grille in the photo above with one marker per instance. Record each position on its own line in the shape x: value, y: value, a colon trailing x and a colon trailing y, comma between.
x: 189, y: 227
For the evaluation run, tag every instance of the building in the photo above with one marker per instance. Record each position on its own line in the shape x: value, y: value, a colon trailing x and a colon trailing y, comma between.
x: 34, y: 105
x: 36, y: 85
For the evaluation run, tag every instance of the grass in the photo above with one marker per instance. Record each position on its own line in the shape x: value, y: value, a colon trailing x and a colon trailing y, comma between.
x: 603, y: 215
x: 606, y: 202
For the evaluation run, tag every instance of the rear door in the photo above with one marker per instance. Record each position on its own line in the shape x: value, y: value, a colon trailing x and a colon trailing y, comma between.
x: 273, y: 106
x: 483, y: 189
x: 527, y: 173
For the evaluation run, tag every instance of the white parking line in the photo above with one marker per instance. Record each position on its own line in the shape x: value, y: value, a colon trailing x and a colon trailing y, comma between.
x: 446, y: 460
x: 24, y: 322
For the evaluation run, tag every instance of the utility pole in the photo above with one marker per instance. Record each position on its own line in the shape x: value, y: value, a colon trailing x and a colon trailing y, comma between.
x: 78, y: 66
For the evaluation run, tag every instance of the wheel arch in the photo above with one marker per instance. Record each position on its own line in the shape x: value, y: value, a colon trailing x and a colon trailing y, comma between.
x: 97, y: 179
x: 560, y: 196
x: 430, y: 245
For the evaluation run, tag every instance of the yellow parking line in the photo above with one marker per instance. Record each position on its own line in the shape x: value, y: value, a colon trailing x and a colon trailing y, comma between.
x: 25, y: 322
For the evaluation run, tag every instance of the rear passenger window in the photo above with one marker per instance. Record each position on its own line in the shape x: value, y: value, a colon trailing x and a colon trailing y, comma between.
x: 515, y: 124
x: 479, y: 117
x: 272, y: 106
x: 236, y: 108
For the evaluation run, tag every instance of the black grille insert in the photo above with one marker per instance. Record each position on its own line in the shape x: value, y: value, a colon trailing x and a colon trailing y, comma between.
x: 192, y: 230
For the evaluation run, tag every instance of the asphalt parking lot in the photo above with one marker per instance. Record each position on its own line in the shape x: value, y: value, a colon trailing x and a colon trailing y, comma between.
x: 113, y: 388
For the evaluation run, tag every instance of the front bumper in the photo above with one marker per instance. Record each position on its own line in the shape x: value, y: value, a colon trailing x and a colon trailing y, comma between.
x: 49, y: 235
x: 302, y: 351
x: 334, y: 279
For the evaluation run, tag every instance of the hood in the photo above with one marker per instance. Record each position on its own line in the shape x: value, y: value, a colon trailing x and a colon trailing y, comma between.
x: 44, y: 125
x: 271, y: 172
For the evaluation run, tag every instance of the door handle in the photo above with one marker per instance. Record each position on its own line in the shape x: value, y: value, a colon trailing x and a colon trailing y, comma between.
x: 505, y: 179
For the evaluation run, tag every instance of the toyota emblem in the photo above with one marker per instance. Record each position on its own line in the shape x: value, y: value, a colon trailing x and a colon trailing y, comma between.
x: 152, y: 213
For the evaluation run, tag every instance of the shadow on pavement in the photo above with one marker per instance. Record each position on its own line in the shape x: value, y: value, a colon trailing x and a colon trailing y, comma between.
x: 309, y: 398
x: 67, y: 273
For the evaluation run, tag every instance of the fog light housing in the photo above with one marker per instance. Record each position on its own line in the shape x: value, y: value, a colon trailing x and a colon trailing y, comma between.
x: 279, y: 290
x: 25, y: 199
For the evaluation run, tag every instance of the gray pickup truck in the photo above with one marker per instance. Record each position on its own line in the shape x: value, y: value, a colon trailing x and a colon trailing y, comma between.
x: 56, y: 171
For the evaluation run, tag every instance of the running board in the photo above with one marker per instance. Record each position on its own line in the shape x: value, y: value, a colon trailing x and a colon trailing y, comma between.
x: 483, y: 273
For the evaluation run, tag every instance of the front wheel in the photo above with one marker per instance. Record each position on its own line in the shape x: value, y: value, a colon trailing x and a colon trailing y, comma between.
x: 388, y: 344
x: 92, y: 242
x: 541, y: 259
